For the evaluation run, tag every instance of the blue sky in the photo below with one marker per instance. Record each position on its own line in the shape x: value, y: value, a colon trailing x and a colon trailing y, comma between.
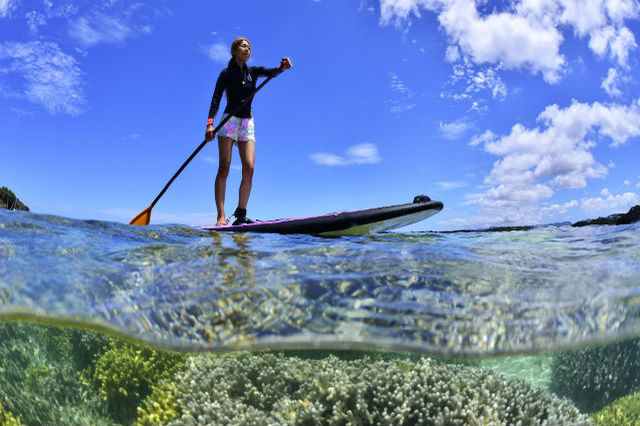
x: 508, y: 112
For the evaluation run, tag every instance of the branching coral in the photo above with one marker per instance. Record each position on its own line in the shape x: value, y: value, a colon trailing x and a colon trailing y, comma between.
x: 594, y: 377
x: 622, y: 412
x: 125, y: 374
x: 161, y: 407
x: 6, y: 419
x: 266, y: 389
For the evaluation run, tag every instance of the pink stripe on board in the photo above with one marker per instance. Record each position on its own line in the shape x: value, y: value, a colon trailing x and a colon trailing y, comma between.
x: 269, y: 222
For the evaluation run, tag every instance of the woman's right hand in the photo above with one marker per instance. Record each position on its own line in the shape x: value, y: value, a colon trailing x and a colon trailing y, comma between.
x: 208, y: 135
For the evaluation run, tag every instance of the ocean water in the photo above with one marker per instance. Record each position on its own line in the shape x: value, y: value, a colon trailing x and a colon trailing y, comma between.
x: 552, y: 306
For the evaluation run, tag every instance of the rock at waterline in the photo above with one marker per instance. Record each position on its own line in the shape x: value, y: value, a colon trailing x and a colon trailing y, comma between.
x: 8, y: 200
x: 633, y: 215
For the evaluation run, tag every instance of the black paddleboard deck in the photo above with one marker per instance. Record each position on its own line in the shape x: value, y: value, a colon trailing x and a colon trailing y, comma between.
x: 357, y: 222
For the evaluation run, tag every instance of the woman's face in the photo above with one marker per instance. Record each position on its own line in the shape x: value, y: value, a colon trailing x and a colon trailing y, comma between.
x: 243, y: 51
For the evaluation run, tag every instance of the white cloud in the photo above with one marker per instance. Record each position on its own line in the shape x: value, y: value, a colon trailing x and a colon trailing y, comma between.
x: 452, y: 54
x: 99, y: 29
x: 519, y: 193
x: 6, y: 6
x: 325, y: 159
x: 526, y: 35
x: 398, y: 107
x: 399, y: 10
x: 506, y: 38
x: 476, y: 106
x: 396, y: 84
x: 610, y: 83
x: 619, y: 10
x: 403, y: 103
x: 621, y: 45
x: 535, y: 163
x: 560, y: 208
x: 487, y: 136
x: 584, y: 15
x: 608, y: 201
x: 615, y: 41
x: 35, y: 20
x: 475, y: 80
x: 502, y: 212
x: 365, y: 153
x: 454, y: 129
x: 364, y: 5
x: 510, y: 39
x: 626, y: 182
x: 219, y: 52
x: 52, y: 78
x: 490, y: 80
x: 617, y: 122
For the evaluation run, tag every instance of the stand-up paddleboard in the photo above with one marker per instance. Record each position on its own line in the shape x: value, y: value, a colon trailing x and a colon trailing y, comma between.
x: 358, y: 222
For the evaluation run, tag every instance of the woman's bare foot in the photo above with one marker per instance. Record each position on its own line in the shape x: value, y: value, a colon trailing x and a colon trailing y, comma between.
x: 221, y: 222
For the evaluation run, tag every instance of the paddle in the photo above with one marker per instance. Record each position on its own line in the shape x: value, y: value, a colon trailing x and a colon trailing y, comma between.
x: 144, y: 216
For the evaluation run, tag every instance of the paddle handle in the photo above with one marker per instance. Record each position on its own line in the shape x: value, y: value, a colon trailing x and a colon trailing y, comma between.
x: 218, y: 127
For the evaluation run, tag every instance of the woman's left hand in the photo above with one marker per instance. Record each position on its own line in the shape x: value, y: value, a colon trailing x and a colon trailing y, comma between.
x: 285, y: 64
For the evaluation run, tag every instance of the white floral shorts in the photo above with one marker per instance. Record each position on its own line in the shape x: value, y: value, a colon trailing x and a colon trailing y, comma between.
x: 238, y: 129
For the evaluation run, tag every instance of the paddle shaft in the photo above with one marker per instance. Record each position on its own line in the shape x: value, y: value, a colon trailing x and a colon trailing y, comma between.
x: 222, y: 123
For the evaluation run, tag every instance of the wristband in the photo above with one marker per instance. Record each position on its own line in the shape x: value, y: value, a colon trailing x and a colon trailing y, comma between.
x: 210, y: 122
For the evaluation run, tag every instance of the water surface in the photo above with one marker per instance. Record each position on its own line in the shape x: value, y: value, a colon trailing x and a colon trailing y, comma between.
x: 464, y: 294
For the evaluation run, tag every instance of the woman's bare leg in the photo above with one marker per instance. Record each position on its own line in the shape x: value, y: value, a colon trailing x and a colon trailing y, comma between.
x: 225, y: 146
x: 248, y: 157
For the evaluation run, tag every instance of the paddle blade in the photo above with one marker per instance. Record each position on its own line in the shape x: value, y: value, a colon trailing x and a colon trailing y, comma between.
x: 143, y: 218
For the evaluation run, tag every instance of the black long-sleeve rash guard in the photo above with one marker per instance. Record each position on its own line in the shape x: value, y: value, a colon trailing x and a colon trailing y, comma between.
x: 238, y: 84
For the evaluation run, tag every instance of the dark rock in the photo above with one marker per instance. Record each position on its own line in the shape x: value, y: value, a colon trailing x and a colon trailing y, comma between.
x: 8, y: 200
x: 633, y: 215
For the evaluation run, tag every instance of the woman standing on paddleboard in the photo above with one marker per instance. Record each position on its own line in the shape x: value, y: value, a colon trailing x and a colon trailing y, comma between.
x: 239, y: 81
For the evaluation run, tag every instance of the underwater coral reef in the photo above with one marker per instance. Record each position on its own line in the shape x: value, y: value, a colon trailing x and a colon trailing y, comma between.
x: 52, y: 375
x: 595, y: 376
